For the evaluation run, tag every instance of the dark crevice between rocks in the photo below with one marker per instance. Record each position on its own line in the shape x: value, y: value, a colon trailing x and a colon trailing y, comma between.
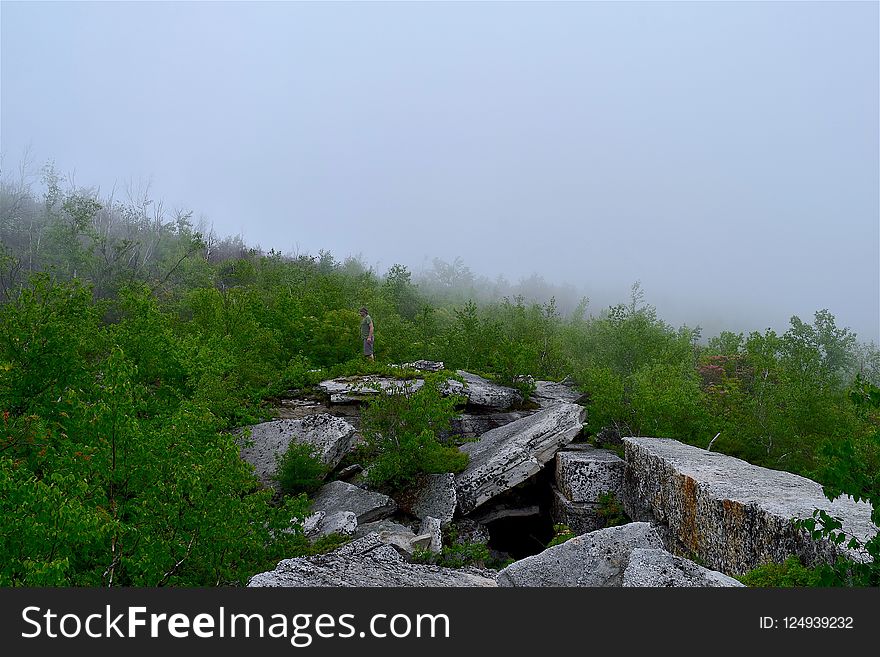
x: 519, y: 521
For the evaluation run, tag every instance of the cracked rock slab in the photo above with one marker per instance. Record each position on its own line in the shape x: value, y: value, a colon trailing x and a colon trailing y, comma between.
x: 367, y: 562
x: 342, y: 496
x: 508, y: 455
x: 587, y: 474
x: 330, y: 436
x: 659, y: 568
x: 595, y: 559
x: 733, y: 515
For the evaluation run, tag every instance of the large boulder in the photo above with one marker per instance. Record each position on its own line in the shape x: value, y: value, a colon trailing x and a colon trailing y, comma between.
x: 331, y: 437
x: 430, y: 495
x: 508, y: 455
x: 323, y: 524
x: 595, y: 559
x: 482, y: 392
x: 731, y: 514
x: 367, y: 562
x: 579, y: 517
x: 474, y: 425
x: 390, y: 533
x: 585, y: 475
x: 549, y: 393
x: 656, y: 568
x: 341, y: 496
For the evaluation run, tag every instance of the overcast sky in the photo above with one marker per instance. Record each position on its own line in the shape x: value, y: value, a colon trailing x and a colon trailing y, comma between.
x: 724, y: 154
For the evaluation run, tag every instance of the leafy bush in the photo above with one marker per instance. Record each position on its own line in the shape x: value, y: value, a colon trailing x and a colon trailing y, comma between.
x: 611, y: 510
x: 401, y: 429
x: 791, y: 573
x: 561, y: 534
x: 300, y: 470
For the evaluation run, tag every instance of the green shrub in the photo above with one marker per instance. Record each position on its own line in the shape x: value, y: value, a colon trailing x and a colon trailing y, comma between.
x: 561, y: 534
x: 300, y: 470
x: 611, y: 510
x: 400, y: 430
x: 791, y: 573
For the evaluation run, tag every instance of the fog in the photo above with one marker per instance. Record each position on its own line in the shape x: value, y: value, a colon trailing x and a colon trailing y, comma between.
x: 723, y: 154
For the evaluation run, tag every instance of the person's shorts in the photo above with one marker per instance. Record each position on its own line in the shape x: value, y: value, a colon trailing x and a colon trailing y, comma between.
x: 368, y: 347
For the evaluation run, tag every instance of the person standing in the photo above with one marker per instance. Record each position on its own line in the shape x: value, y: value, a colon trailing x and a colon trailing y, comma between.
x: 367, y: 332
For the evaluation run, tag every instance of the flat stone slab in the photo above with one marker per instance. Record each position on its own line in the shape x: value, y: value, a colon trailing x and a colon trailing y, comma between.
x: 549, y: 393
x: 595, y: 559
x: 474, y: 425
x: 656, y: 568
x: 322, y: 524
x: 733, y: 515
x: 331, y: 437
x: 508, y: 455
x: 585, y: 475
x: 431, y: 495
x: 580, y: 517
x: 352, y: 389
x: 341, y: 496
x: 367, y: 562
x: 422, y: 365
x: 390, y: 533
x: 482, y: 392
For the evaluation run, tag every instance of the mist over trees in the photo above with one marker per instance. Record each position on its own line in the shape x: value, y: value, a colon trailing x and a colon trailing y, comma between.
x: 134, y: 341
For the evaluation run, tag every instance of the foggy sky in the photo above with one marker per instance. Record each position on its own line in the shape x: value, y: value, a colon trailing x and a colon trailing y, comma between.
x: 724, y: 154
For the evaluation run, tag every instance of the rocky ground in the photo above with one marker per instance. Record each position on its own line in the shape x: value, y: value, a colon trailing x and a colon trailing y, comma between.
x: 530, y: 469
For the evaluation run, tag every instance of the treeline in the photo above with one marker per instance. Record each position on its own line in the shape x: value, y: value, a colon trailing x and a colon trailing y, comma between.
x: 132, y: 343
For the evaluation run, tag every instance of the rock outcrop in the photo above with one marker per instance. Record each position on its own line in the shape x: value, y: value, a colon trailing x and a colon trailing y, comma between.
x: 351, y: 389
x: 656, y: 568
x: 341, y: 496
x: 323, y: 524
x: 583, y: 476
x: 548, y: 393
x: 731, y: 514
x: 431, y: 495
x: 484, y: 393
x: 508, y: 455
x: 331, y: 437
x: 367, y: 562
x: 595, y: 559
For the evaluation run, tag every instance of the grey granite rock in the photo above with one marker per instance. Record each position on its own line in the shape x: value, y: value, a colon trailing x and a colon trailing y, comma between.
x: 431, y: 495
x: 474, y: 425
x: 508, y: 455
x: 346, y: 390
x: 595, y: 559
x: 482, y: 392
x: 467, y: 531
x: 422, y: 365
x: 431, y: 526
x: 323, y: 524
x: 341, y: 496
x: 367, y: 562
x: 548, y: 393
x: 331, y: 437
x: 656, y: 568
x: 580, y: 517
x: 733, y: 515
x: 585, y: 475
x: 390, y: 533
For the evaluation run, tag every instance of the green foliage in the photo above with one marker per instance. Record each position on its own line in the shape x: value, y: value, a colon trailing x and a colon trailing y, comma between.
x: 791, y: 573
x: 561, y: 533
x: 401, y: 429
x: 130, y: 343
x: 611, y: 510
x: 300, y: 470
x: 457, y: 555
